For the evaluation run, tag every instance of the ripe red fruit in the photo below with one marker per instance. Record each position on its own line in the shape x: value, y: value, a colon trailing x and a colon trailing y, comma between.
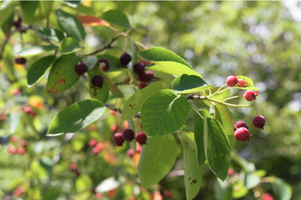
x: 15, y: 92
x: 118, y: 139
x: 267, y: 196
x: 141, y: 138
x: 97, y: 81
x: 240, y: 124
x: 92, y: 142
x: 259, y: 121
x: 11, y: 150
x: 241, y: 82
x: 125, y: 59
x: 232, y: 81
x: 114, y: 127
x: 130, y: 153
x: 73, y: 166
x: 81, y: 68
x: 98, y: 148
x: 128, y: 135
x: 149, y: 75
x: 231, y: 172
x: 167, y: 194
x: 23, y: 143
x: 20, y: 60
x: 27, y: 110
x: 250, y: 95
x: 142, y: 85
x: 21, y: 150
x: 138, y: 148
x: 105, y: 65
x: 242, y: 134
x: 14, y: 139
x: 138, y: 68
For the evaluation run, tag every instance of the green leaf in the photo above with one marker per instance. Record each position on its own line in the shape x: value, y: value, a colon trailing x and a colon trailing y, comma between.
x: 188, y: 84
x: 62, y: 74
x: 69, y: 45
x: 28, y: 9
x: 83, y: 182
x: 102, y: 94
x: 6, y: 9
x: 52, y: 34
x: 46, y: 163
x: 113, y: 87
x: 163, y: 113
x: 241, y: 162
x: 71, y: 25
x: 156, y: 159
x: 217, y: 148
x: 193, y: 173
x: 249, y: 86
x: 133, y: 105
x: 52, y: 194
x: 222, y: 190
x: 199, y: 135
x: 8, y: 23
x: 159, y: 54
x: 38, y: 68
x: 114, y: 62
x: 282, y: 190
x: 90, y: 62
x: 251, y: 180
x: 117, y: 17
x: 220, y: 116
x: 76, y: 116
x: 239, y: 190
x: 36, y: 50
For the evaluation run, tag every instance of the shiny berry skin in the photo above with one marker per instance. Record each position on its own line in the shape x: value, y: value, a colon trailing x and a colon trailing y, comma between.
x: 81, y: 68
x: 259, y: 121
x: 240, y: 124
x: 128, y: 135
x: 231, y: 81
x: 141, y: 138
x: 138, y: 68
x: 97, y: 81
x: 250, y: 95
x: 241, y: 82
x: 125, y: 59
x: 105, y: 64
x: 20, y: 60
x: 118, y: 139
x: 242, y: 134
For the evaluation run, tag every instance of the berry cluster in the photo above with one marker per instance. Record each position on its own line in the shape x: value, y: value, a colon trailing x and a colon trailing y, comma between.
x: 19, y: 146
x: 129, y: 135
x: 96, y: 146
x: 144, y: 77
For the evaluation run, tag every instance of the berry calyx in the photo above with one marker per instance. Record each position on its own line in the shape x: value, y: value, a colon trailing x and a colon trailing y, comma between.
x: 141, y: 138
x: 97, y: 81
x: 232, y: 81
x: 240, y: 124
x: 125, y: 59
x: 138, y: 68
x: 20, y: 60
x: 250, y: 95
x: 118, y: 139
x: 128, y: 135
x: 259, y: 121
x: 103, y: 64
x: 81, y: 68
x: 241, y: 82
x: 242, y: 134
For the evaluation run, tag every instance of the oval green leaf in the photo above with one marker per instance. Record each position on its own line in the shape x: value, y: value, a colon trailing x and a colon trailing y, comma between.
x: 38, y: 68
x: 28, y: 9
x: 163, y: 113
x: 188, y: 84
x: 71, y: 25
x: 76, y: 116
x: 117, y: 17
x: 102, y: 94
x: 90, y: 62
x: 217, y: 148
x: 69, y: 45
x: 282, y: 190
x: 133, y: 105
x: 62, y: 74
x: 52, y: 34
x: 29, y: 51
x: 156, y: 159
x: 6, y: 8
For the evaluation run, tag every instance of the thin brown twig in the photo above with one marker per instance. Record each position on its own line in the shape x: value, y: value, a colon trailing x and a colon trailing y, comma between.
x: 108, y: 46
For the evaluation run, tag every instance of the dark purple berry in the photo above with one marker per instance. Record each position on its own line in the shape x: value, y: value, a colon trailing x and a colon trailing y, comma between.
x: 240, y: 124
x: 138, y: 68
x: 141, y: 138
x: 128, y: 134
x: 97, y: 81
x: 125, y: 59
x: 19, y: 19
x: 20, y: 60
x: 17, y: 24
x: 149, y: 75
x: 118, y: 139
x: 105, y: 64
x: 259, y: 121
x: 81, y: 68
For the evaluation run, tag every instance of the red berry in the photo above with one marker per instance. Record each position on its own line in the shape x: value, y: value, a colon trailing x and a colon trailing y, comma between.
x: 114, y: 127
x: 112, y: 112
x: 231, y: 81
x: 142, y: 85
x: 16, y: 24
x: 73, y: 166
x: 167, y: 194
x: 81, y: 68
x: 240, y: 124
x: 97, y: 81
x: 11, y: 150
x: 21, y: 150
x: 14, y: 139
x: 20, y: 60
x: 15, y: 92
x: 128, y: 135
x: 267, y: 196
x: 92, y: 142
x: 27, y: 110
x: 138, y: 149
x: 138, y: 68
x: 241, y: 82
x: 145, y: 62
x: 130, y: 153
x: 242, y: 134
x: 250, y: 95
x: 99, y: 146
x: 259, y: 121
x: 118, y: 139
x: 141, y: 138
x: 149, y: 75
x: 104, y: 64
x: 231, y: 171
x: 23, y: 143
x: 125, y: 59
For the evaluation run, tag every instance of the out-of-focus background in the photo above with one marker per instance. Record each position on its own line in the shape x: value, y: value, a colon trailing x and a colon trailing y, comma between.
x: 261, y: 40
